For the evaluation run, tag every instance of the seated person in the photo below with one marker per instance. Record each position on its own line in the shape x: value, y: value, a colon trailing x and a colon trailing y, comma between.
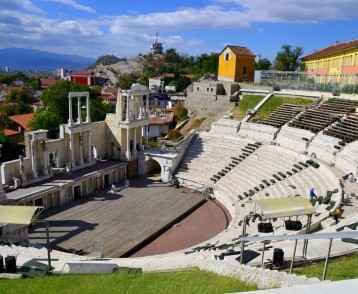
x: 313, y: 196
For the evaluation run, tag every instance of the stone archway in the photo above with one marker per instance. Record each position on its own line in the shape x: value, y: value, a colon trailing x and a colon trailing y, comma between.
x: 153, y: 167
x: 165, y: 166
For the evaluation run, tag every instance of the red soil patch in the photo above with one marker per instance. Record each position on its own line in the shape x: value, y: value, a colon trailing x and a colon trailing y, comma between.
x: 205, y: 222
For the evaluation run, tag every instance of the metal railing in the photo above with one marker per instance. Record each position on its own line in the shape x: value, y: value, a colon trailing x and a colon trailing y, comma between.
x: 345, y: 83
x: 303, y: 237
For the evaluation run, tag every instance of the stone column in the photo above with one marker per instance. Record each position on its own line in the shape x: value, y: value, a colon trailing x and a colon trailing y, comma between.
x: 46, y: 163
x: 70, y: 115
x: 79, y: 119
x: 135, y: 143
x: 81, y: 145
x: 57, y: 159
x: 127, y: 114
x: 33, y: 158
x: 73, y: 163
x: 2, y: 192
x: 63, y: 199
x: 128, y: 145
x: 89, y: 147
x: 147, y: 131
x: 22, y: 170
x: 88, y: 117
x: 147, y: 106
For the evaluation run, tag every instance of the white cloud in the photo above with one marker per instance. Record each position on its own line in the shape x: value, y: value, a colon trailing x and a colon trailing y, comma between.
x: 74, y: 4
x: 20, y: 5
x: 186, y: 18
x: 22, y: 24
x: 294, y: 10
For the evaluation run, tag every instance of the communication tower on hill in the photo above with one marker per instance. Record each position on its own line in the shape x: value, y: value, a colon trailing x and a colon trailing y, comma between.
x: 157, y: 47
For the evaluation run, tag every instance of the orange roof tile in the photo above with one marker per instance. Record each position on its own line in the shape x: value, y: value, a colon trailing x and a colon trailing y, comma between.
x: 9, y: 132
x: 23, y: 120
x: 239, y: 50
x: 331, y: 50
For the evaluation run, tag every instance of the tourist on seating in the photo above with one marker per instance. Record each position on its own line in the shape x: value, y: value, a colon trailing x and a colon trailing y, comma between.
x: 313, y: 196
x: 337, y: 214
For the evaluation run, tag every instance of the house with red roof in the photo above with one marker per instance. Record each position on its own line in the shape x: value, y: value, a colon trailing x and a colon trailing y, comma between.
x: 46, y: 83
x: 160, y: 124
x: 83, y: 77
x: 19, y: 124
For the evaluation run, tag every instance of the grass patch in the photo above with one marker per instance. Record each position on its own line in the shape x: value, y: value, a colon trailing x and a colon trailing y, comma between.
x: 183, y: 282
x: 342, y: 268
x: 246, y: 103
x: 277, y: 101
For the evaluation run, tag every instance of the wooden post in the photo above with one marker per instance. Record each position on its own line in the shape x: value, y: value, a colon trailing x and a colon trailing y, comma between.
x: 263, y: 255
x: 242, y: 241
x: 308, y: 228
x: 327, y: 259
x: 48, y: 246
x: 293, y: 256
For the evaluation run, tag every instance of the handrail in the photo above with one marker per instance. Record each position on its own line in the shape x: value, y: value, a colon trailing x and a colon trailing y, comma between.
x: 315, y: 236
x: 296, y: 238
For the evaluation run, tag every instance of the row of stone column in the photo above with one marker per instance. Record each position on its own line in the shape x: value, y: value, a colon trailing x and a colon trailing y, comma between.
x: 78, y: 96
x: 81, y: 145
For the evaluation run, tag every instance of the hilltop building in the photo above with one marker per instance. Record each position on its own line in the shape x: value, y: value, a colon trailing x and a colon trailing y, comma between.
x: 157, y: 47
x: 236, y: 64
x: 336, y: 63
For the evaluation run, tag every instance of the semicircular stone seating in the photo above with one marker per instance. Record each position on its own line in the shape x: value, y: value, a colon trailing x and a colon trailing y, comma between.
x: 269, y: 171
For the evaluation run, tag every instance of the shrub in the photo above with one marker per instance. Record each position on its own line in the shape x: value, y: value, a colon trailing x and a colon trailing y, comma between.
x: 181, y: 113
x: 174, y: 135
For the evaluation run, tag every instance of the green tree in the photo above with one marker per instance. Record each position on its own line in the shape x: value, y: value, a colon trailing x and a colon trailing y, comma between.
x: 288, y: 58
x: 45, y: 119
x: 125, y: 81
x: 180, y: 112
x: 34, y: 84
x: 263, y: 64
x: 19, y: 95
x: 55, y: 101
x: 18, y: 101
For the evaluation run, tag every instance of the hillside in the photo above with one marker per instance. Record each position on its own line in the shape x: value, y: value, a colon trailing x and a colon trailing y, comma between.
x: 123, y: 66
x: 36, y: 60
x: 107, y: 60
x: 143, y: 67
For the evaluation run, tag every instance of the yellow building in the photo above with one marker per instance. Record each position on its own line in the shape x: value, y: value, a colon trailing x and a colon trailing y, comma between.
x: 236, y: 64
x: 337, y: 63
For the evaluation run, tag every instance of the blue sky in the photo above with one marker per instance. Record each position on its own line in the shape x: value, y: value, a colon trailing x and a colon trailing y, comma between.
x: 126, y: 28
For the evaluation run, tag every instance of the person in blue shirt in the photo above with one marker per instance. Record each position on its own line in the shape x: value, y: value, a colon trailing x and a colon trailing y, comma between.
x: 313, y: 195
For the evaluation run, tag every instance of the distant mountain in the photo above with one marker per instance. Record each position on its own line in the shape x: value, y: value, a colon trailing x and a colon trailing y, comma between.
x: 28, y: 59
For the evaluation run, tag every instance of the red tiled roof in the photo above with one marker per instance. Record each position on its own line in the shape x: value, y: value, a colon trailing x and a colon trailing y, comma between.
x: 23, y: 120
x: 82, y: 73
x: 45, y: 83
x: 162, y: 120
x: 239, y: 50
x: 9, y: 132
x: 331, y: 50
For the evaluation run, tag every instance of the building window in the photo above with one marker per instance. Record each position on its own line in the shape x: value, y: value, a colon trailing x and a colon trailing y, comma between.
x: 244, y: 70
x: 227, y: 56
x: 207, y: 89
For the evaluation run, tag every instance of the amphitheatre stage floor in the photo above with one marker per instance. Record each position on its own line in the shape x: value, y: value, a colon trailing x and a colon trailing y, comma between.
x: 123, y: 223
